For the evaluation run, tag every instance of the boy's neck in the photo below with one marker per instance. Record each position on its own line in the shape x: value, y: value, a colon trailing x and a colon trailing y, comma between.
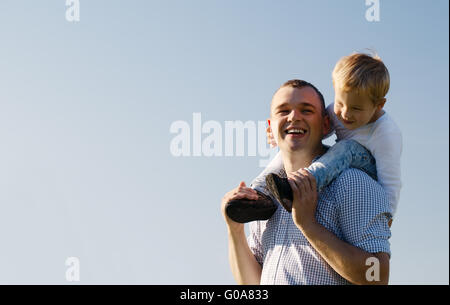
x: 377, y: 115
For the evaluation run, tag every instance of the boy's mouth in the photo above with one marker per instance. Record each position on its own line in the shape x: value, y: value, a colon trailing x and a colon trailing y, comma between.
x: 346, y: 121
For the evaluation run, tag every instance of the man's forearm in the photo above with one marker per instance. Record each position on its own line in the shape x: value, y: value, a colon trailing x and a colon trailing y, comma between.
x: 347, y: 260
x: 246, y: 270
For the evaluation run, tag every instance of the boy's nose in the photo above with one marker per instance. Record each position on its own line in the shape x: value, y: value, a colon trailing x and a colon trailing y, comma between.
x: 345, y: 113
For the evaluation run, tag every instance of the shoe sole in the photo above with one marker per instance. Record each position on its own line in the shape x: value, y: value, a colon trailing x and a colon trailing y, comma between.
x: 281, y: 189
x: 246, y: 210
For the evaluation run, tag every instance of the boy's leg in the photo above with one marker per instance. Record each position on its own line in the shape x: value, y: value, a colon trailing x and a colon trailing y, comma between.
x: 275, y: 166
x: 341, y: 156
x: 246, y: 210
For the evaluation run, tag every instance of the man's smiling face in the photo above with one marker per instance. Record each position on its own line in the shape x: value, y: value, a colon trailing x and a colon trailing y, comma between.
x: 296, y: 119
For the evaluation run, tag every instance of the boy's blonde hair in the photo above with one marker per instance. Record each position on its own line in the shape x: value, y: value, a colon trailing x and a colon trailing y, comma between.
x: 362, y: 72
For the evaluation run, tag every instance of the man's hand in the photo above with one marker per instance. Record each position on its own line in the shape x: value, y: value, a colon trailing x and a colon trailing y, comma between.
x: 242, y: 191
x: 244, y: 266
x: 304, y: 190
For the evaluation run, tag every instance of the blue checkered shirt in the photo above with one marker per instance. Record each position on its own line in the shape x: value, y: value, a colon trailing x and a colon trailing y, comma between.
x: 354, y: 207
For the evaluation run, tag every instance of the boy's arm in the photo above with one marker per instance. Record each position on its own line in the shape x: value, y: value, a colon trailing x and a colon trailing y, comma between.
x: 387, y: 153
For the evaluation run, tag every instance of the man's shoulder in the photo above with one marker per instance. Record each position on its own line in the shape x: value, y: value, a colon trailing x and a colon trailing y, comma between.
x: 355, y: 180
x: 354, y: 187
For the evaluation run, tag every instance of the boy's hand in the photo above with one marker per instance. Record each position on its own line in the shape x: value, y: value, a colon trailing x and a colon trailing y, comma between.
x: 304, y: 205
x: 242, y: 191
x: 270, y: 138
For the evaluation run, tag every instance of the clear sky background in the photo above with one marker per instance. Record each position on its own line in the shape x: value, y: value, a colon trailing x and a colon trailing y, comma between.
x: 85, y: 111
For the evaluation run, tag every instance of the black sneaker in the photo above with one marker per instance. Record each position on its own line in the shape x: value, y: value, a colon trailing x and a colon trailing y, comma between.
x: 246, y: 210
x: 281, y: 189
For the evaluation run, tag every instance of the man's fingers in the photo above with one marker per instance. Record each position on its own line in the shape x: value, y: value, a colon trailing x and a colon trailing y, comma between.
x: 293, y: 187
x: 293, y: 183
x: 243, y: 192
x: 310, y: 178
x: 306, y: 178
x: 300, y: 179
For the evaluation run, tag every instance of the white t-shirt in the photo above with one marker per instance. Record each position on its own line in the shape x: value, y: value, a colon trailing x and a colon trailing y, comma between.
x: 383, y: 139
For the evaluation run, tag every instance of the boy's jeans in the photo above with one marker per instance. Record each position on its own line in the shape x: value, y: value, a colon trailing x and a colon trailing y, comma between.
x: 339, y: 157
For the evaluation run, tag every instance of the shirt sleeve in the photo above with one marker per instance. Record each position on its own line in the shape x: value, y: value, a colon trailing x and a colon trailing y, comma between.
x: 364, y: 212
x: 387, y: 149
x: 254, y: 241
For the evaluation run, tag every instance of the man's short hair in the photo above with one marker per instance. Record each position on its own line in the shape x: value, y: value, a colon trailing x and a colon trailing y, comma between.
x: 298, y: 83
x: 364, y: 73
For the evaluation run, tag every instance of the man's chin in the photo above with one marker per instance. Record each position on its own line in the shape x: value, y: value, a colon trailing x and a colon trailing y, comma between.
x: 293, y: 146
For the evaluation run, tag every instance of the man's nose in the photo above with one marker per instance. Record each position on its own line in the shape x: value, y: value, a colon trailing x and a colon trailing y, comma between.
x: 294, y: 115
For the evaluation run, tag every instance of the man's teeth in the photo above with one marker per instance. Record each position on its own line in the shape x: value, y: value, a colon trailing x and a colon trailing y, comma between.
x: 295, y: 131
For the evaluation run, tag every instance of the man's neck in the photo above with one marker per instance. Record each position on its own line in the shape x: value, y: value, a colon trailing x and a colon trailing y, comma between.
x: 293, y: 161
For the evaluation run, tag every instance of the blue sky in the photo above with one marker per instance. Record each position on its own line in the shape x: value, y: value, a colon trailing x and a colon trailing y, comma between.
x: 86, y: 107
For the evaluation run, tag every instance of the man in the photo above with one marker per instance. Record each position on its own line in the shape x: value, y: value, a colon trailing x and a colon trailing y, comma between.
x: 329, y: 237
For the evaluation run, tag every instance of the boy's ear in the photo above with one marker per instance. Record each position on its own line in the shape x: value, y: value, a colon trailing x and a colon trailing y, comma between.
x: 381, y: 103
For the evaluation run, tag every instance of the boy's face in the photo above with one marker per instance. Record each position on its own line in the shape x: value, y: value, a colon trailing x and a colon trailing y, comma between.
x: 355, y: 110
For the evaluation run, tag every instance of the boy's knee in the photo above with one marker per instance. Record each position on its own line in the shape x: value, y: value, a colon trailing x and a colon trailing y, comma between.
x: 348, y: 143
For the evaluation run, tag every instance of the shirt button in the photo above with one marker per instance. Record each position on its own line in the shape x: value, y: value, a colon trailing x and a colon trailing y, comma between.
x: 283, y: 222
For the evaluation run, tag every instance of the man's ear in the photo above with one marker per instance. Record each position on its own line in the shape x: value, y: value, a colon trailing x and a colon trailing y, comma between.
x: 326, y: 125
x: 270, y: 127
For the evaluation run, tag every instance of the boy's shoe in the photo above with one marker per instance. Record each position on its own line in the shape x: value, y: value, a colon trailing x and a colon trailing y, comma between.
x: 246, y: 210
x: 281, y: 189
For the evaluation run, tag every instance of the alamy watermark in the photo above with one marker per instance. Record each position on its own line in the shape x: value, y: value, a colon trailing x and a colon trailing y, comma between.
x: 73, y: 270
x: 373, y: 12
x: 373, y: 272
x: 73, y: 10
x: 214, y: 139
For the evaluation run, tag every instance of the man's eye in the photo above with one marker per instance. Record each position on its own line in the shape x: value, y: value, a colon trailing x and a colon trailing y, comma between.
x: 307, y: 111
x: 283, y: 111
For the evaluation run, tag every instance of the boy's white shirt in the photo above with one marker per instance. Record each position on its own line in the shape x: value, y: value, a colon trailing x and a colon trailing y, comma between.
x: 382, y: 138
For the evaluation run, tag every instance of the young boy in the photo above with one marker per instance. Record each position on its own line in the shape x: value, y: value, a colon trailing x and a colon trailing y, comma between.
x: 361, y: 83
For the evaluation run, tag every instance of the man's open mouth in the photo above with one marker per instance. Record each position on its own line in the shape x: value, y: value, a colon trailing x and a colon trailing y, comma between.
x: 295, y: 131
